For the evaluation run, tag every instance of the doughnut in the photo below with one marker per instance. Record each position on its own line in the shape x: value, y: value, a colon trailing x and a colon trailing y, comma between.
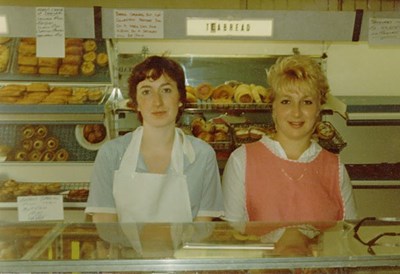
x: 243, y: 94
x: 38, y: 144
x: 51, y: 143
x: 47, y: 156
x: 34, y: 155
x: 21, y: 156
x: 102, y: 59
x: 222, y: 93
x: 204, y: 91
x: 41, y: 132
x: 27, y: 144
x: 88, y: 68
x: 28, y: 132
x: 61, y: 155
x: 89, y: 45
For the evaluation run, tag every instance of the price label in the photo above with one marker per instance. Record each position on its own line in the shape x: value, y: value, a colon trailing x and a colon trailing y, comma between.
x: 40, y: 208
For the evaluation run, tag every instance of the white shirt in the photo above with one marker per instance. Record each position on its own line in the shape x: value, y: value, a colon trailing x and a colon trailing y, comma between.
x: 233, y: 180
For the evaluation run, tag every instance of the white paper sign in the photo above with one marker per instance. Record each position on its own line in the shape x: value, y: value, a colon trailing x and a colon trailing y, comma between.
x: 217, y: 27
x: 50, y: 32
x: 40, y: 208
x: 384, y: 31
x: 138, y: 24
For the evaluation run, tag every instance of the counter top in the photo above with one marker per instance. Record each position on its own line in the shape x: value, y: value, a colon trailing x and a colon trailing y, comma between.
x: 371, y: 103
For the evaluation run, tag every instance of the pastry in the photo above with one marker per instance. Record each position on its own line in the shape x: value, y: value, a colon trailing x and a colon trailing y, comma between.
x: 34, y: 156
x: 41, y: 132
x: 256, y: 133
x: 48, y: 62
x: 263, y: 92
x: 27, y: 69
x: 72, y: 59
x: 27, y: 49
x: 191, y: 98
x: 34, y: 87
x: 204, y: 91
x: 206, y: 136
x: 88, y: 68
x: 4, y: 57
x: 68, y: 70
x: 38, y: 189
x: 51, y: 143
x: 221, y: 136
x: 325, y: 130
x: 197, y: 125
x: 242, y: 133
x: 61, y: 155
x: 28, y: 132
x: 38, y: 144
x: 53, y: 187
x: 90, y: 56
x: 222, y: 93
x: 27, y: 60
x: 12, y: 90
x: 48, y: 70
x: 89, y: 45
x: 27, y: 144
x: 47, y: 156
x: 95, y: 95
x: 64, y: 91
x: 28, y: 40
x: 243, y: 94
x: 8, y: 99
x: 219, y: 127
x: 73, y: 42
x: 102, y: 59
x: 191, y: 90
x: 74, y: 50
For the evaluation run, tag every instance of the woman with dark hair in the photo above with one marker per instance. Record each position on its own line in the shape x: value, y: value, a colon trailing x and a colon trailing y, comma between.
x: 156, y: 173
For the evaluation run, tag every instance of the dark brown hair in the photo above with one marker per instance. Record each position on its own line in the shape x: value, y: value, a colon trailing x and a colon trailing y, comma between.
x: 154, y: 67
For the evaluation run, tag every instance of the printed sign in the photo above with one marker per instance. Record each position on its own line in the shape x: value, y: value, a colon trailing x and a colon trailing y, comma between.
x: 40, y: 208
x: 217, y: 27
x: 50, y: 32
x: 384, y: 31
x: 138, y: 24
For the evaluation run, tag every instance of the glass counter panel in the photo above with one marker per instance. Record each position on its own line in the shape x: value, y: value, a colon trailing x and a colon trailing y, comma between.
x: 218, y: 247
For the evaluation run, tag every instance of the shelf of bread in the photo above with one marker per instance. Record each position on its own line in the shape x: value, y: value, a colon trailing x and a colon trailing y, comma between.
x: 40, y: 93
x: 75, y: 192
x: 85, y: 60
x: 231, y: 95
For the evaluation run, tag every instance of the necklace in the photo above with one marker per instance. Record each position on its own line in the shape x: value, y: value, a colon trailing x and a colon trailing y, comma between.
x: 291, y: 178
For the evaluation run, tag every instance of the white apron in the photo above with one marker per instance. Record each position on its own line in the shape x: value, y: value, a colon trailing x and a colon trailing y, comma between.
x: 147, y: 197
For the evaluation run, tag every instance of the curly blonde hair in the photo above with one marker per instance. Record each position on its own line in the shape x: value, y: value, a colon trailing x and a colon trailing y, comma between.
x: 298, y: 73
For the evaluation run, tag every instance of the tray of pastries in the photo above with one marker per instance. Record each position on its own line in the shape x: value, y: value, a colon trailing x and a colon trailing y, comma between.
x: 46, y: 94
x: 38, y: 144
x: 10, y: 190
x: 216, y: 133
x: 328, y: 137
x: 229, y: 95
x: 84, y: 60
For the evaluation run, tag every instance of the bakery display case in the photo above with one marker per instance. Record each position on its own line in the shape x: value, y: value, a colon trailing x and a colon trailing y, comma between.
x: 343, y: 247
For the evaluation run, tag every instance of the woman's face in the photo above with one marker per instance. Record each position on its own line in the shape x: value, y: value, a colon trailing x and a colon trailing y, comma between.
x: 295, y: 115
x: 158, y: 101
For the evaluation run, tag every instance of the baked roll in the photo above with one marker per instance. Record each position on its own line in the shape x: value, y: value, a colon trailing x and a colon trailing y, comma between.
x: 204, y: 91
x: 89, y: 45
x: 243, y: 94
x: 223, y: 94
x: 102, y: 59
x: 325, y: 130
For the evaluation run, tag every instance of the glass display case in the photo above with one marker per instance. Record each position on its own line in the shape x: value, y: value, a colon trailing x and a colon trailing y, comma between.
x: 220, y: 247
